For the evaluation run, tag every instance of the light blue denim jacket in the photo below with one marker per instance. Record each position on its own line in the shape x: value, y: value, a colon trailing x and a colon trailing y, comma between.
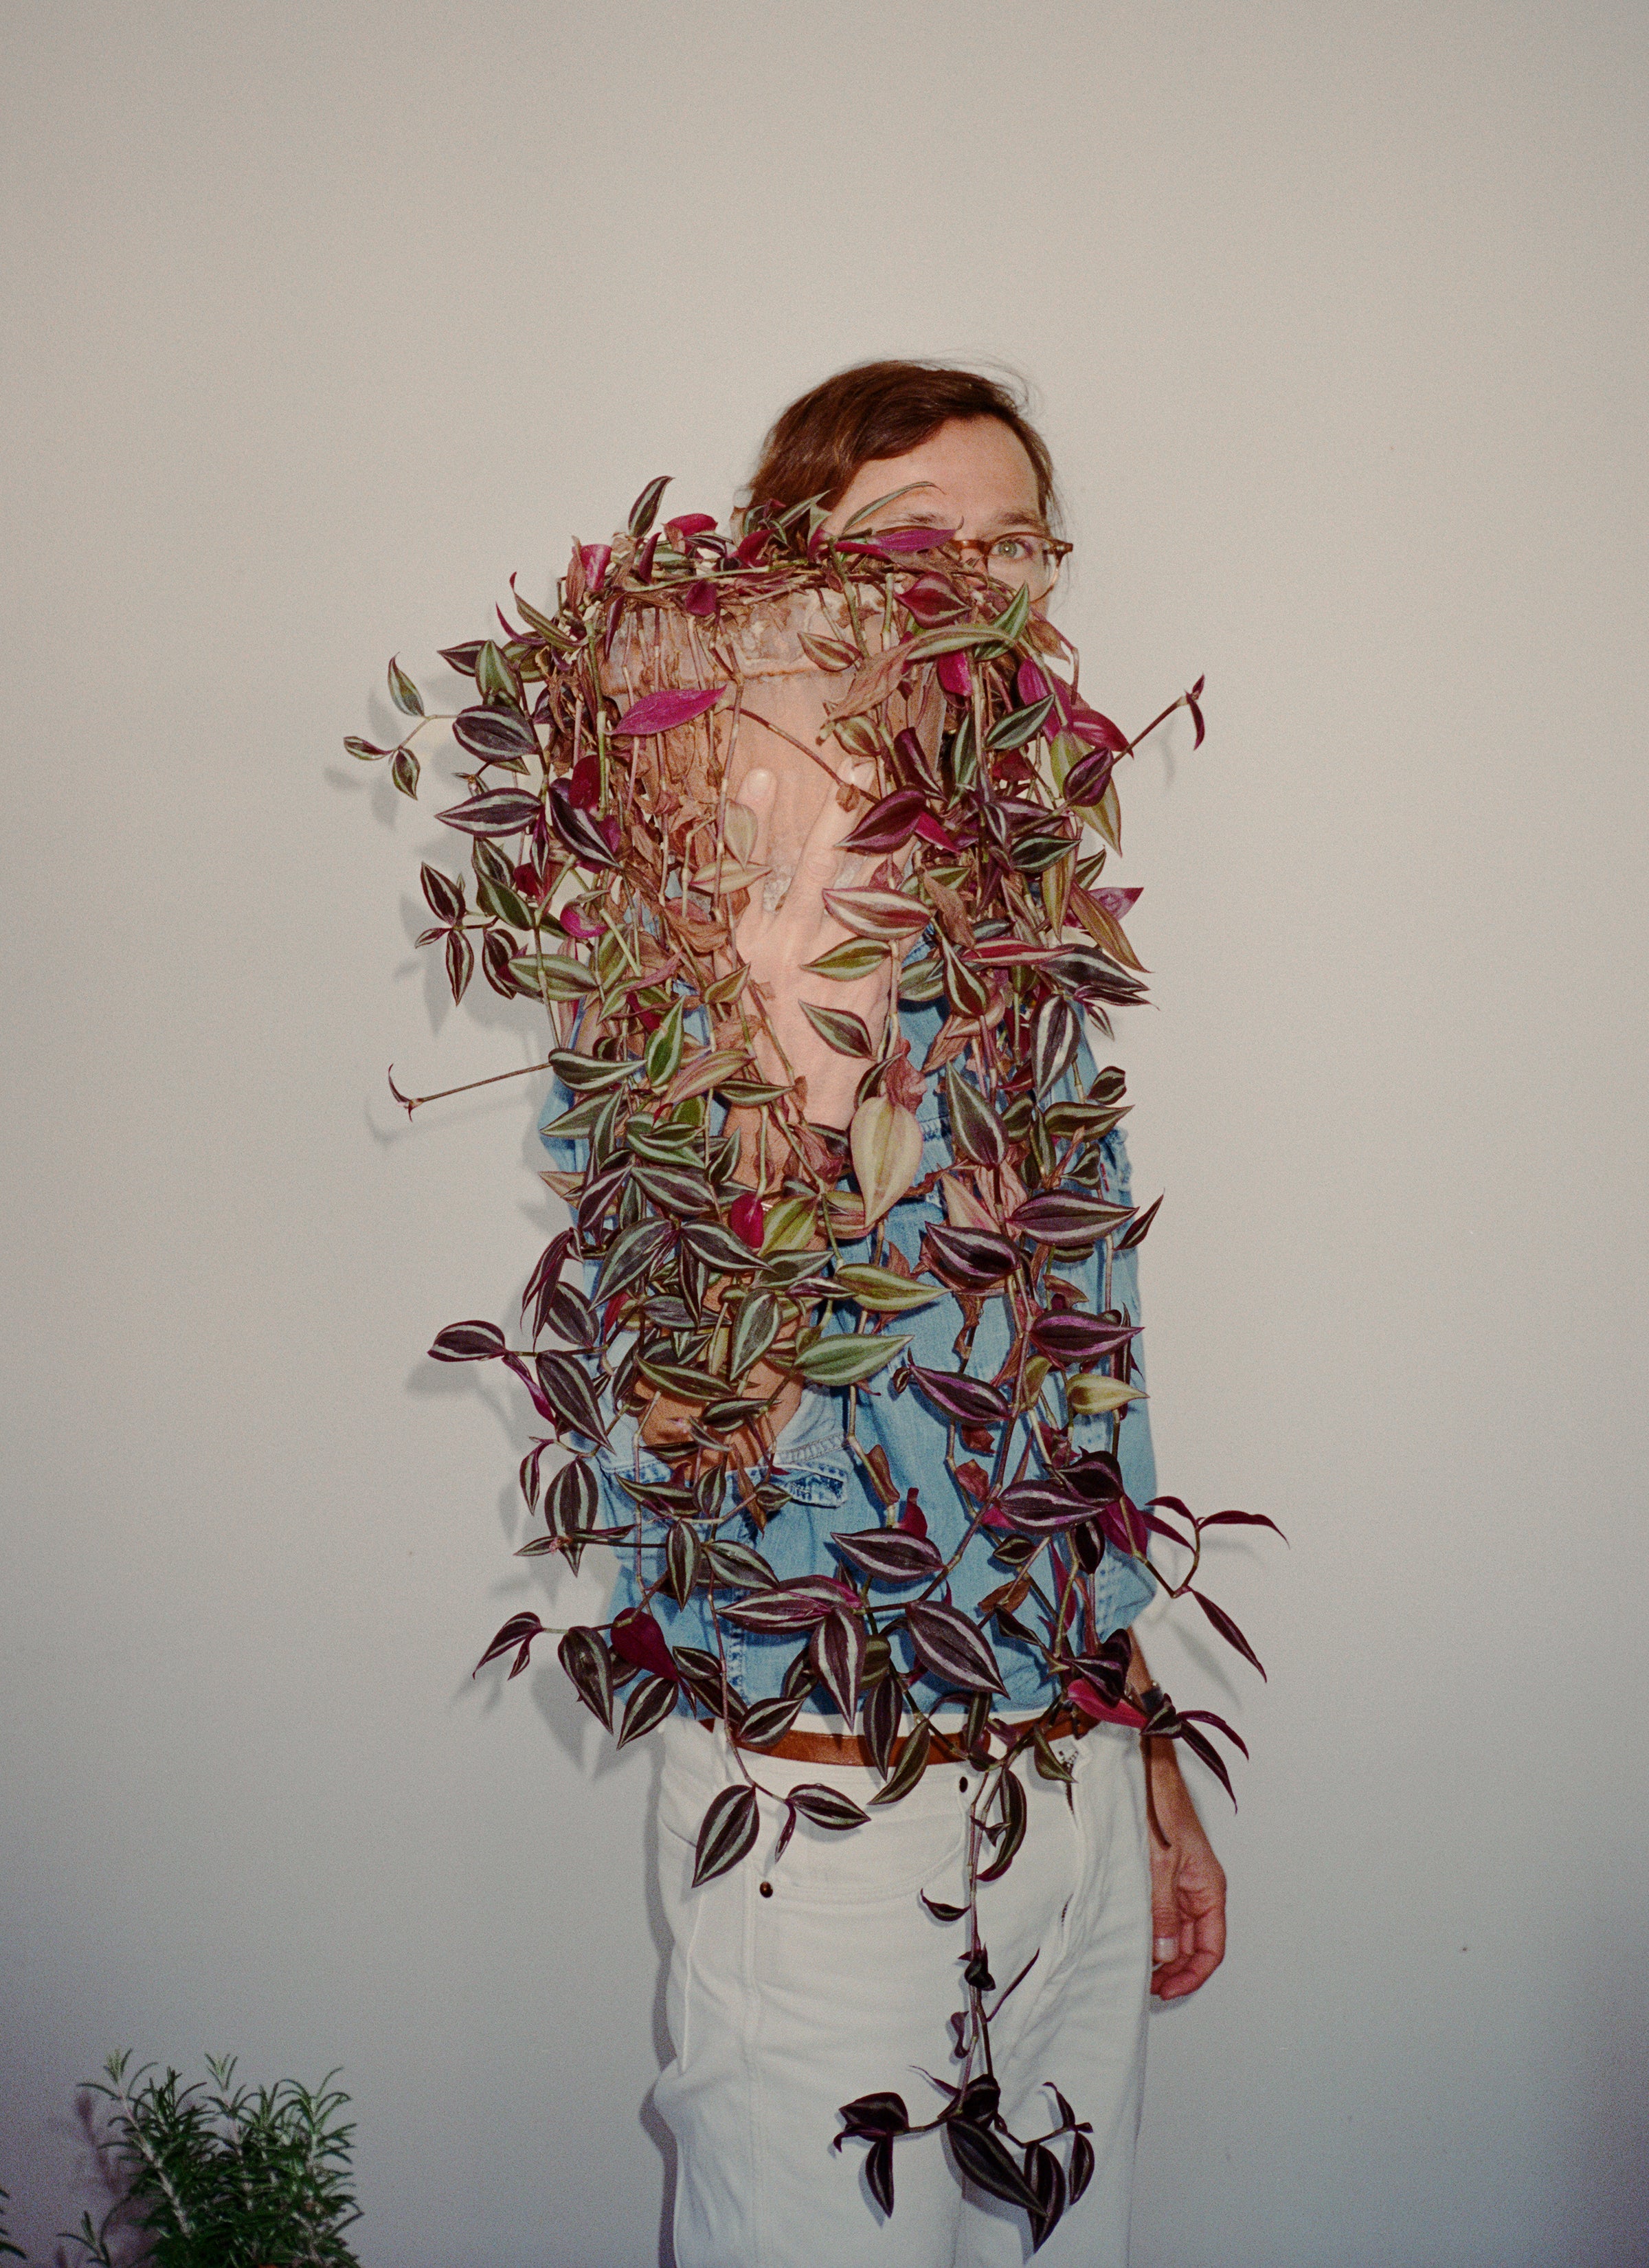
x: 828, y: 1491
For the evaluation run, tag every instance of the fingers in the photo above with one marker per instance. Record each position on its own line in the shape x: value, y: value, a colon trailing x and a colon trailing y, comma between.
x: 820, y: 862
x: 1188, y: 1926
x: 1192, y: 1963
x: 757, y: 793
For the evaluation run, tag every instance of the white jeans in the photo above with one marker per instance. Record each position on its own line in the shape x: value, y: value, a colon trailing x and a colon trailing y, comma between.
x: 794, y: 1987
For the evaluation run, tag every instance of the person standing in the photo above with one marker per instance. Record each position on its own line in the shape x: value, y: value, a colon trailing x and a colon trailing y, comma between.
x: 795, y: 1987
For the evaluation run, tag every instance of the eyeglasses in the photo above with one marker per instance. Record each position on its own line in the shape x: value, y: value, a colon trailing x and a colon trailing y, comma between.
x: 1021, y: 560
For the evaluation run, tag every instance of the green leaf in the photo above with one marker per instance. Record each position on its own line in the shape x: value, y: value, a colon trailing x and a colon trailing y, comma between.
x: 856, y: 956
x: 1020, y: 725
x: 754, y: 1332
x: 664, y: 1050
x: 553, y: 975
x: 846, y: 1358
x: 840, y: 1029
x: 644, y: 511
x: 1090, y: 1393
x: 403, y: 692
x: 790, y: 1225
x: 494, y: 680
x: 589, y: 1074
x: 923, y: 979
x: 882, y: 1292
x: 1011, y: 622
x: 502, y: 904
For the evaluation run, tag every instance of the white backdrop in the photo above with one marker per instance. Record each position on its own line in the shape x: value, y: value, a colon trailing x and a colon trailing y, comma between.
x: 321, y: 321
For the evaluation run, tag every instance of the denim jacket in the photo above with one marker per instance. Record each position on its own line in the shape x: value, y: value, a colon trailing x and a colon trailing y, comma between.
x: 828, y: 1489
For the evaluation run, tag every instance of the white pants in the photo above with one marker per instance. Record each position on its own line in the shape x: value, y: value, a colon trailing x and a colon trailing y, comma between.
x: 794, y: 1987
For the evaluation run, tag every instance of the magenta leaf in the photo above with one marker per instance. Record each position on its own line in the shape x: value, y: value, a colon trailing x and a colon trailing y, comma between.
x: 1237, y: 1519
x: 888, y: 823
x: 898, y: 540
x: 637, y: 1638
x: 1069, y: 1338
x: 663, y: 711
x: 1228, y: 1630
x: 1093, y: 1704
x: 931, y: 831
x: 970, y: 1400
x: 956, y: 675
x: 744, y: 1217
x: 1099, y: 731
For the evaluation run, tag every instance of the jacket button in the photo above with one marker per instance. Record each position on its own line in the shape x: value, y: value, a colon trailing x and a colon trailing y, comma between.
x: 767, y: 1889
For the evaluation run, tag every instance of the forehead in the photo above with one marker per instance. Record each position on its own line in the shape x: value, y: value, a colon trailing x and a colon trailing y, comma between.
x: 970, y: 470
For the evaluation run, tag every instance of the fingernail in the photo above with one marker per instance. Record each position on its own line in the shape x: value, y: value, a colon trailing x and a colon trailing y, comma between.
x: 1165, y: 1948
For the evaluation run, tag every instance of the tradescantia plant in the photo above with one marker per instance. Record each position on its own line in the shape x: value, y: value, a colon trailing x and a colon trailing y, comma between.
x: 722, y: 1245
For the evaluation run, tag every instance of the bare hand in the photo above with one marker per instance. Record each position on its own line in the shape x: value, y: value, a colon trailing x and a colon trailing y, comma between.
x: 1187, y: 1884
x: 784, y: 928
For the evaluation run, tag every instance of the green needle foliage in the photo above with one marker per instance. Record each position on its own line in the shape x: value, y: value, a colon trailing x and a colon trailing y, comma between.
x: 225, y: 2176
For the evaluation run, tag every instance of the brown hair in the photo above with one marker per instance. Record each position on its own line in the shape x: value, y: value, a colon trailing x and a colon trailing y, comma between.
x: 880, y: 409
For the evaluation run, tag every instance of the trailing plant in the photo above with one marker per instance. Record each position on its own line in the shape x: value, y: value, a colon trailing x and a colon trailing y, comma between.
x: 218, y: 2176
x: 723, y: 1245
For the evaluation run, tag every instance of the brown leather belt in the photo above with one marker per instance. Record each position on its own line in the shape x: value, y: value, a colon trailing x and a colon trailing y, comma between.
x: 852, y: 1749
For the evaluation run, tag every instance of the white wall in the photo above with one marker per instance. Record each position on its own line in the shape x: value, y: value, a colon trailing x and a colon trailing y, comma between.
x: 322, y: 320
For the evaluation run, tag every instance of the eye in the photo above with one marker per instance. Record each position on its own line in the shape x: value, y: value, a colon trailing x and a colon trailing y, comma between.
x: 1014, y: 550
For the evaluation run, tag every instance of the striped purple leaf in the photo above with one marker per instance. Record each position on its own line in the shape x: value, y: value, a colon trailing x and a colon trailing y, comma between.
x: 890, y: 1555
x: 728, y: 1830
x: 952, y: 1647
x: 970, y: 1400
x: 795, y: 1605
